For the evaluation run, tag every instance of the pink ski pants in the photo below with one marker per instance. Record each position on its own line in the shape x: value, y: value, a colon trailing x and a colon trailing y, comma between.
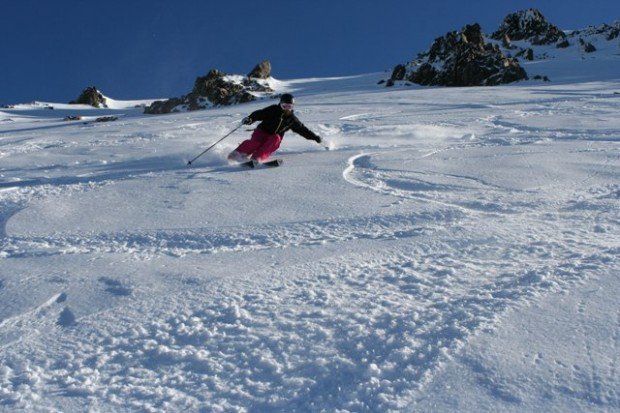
x: 261, y: 145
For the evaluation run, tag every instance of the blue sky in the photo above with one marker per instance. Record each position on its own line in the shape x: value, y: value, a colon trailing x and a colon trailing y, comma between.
x: 132, y: 49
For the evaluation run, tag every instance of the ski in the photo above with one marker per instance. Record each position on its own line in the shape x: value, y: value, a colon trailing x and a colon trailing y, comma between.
x: 273, y: 163
x: 255, y: 164
x: 249, y: 164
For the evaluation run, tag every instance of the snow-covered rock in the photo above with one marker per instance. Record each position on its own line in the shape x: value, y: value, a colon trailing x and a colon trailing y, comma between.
x: 529, y: 25
x: 525, y: 46
x: 218, y: 89
x: 461, y: 58
x: 576, y: 53
x: 91, y: 96
x: 607, y: 31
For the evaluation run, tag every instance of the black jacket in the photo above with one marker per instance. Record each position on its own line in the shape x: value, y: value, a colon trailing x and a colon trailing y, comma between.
x: 274, y: 120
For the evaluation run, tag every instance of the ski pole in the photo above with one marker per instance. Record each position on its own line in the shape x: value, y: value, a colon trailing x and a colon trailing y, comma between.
x: 206, y: 150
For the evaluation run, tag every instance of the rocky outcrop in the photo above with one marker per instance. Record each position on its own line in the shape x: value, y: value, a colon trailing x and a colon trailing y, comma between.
x: 261, y: 70
x: 529, y: 25
x: 563, y: 44
x: 216, y: 89
x: 607, y: 31
x: 612, y: 32
x: 90, y: 96
x: 587, y: 47
x: 165, y: 106
x: 469, y: 58
x: 598, y: 34
x: 527, y: 54
x: 461, y: 58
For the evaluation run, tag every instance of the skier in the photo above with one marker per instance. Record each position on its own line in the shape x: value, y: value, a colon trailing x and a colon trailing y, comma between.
x: 266, y: 138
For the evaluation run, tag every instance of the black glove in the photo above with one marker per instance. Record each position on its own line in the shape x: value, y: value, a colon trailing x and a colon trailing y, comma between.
x: 247, y: 120
x: 317, y: 139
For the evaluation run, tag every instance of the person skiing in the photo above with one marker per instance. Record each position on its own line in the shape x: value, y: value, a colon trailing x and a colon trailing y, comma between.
x: 266, y: 138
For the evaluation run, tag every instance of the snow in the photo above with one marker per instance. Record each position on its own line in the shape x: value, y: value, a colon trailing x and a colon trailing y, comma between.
x: 454, y: 250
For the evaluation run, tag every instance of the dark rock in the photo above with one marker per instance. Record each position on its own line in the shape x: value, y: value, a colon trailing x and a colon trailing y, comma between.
x: 527, y: 54
x: 106, y: 119
x: 464, y: 59
x: 425, y: 75
x: 261, y: 70
x: 589, y: 48
x: 164, y: 106
x: 609, y: 31
x: 252, y: 85
x: 529, y: 25
x: 472, y: 34
x: 217, y: 90
x: 90, y: 96
x: 399, y: 72
x: 543, y: 78
x: 71, y: 118
x: 214, y: 89
x: 613, y: 32
x: 563, y: 44
x: 506, y: 43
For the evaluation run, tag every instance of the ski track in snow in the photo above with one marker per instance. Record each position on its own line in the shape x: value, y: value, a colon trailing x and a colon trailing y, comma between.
x: 364, y: 330
x: 178, y: 243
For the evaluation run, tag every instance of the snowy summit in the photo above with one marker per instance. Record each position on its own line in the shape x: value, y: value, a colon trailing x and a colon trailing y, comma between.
x: 524, y: 46
x: 455, y: 249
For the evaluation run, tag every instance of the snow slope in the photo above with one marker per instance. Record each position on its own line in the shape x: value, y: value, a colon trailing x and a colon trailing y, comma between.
x: 455, y: 250
x: 573, y: 64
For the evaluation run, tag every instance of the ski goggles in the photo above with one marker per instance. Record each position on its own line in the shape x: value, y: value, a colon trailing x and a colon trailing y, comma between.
x: 287, y: 106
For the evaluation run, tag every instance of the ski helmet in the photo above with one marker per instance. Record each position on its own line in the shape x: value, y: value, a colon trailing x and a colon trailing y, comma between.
x: 287, y: 98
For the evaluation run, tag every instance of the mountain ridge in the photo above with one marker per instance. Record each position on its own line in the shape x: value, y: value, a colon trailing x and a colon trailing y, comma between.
x: 523, y: 36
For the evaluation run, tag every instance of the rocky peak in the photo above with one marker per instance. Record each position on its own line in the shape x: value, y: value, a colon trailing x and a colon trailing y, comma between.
x: 261, y: 70
x: 215, y: 89
x: 91, y: 96
x: 218, y: 90
x: 608, y: 31
x: 468, y: 41
x: 461, y: 58
x: 472, y: 34
x: 528, y: 25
